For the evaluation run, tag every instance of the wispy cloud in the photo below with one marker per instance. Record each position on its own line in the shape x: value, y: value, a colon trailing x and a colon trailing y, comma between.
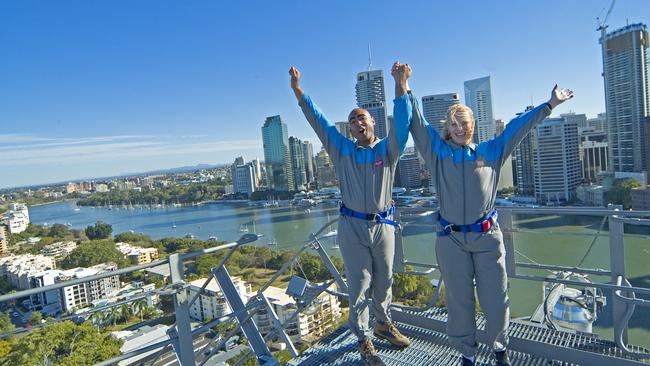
x: 34, y: 150
x: 32, y: 142
x: 21, y: 138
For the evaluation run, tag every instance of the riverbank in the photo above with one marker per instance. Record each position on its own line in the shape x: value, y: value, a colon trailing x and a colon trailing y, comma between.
x: 546, y: 239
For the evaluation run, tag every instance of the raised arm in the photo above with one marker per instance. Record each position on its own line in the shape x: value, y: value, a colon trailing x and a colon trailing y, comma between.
x: 406, y: 110
x: 401, y: 74
x: 519, y: 127
x: 333, y: 141
x: 399, y: 133
x: 295, y: 83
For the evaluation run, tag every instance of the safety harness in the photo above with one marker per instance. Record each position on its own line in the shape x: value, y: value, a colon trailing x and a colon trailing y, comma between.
x: 483, y: 225
x: 379, y: 217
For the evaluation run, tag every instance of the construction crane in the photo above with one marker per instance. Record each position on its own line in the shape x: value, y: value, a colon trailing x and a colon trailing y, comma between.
x: 602, y: 26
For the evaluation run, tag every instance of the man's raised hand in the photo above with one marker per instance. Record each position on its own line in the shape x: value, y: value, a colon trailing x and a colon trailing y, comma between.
x: 559, y: 96
x: 401, y: 73
x: 295, y: 82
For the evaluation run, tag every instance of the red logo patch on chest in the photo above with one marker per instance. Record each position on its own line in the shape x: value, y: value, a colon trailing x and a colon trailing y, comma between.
x: 379, y: 163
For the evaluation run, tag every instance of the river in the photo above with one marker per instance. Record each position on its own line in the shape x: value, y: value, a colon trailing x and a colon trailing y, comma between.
x: 290, y: 227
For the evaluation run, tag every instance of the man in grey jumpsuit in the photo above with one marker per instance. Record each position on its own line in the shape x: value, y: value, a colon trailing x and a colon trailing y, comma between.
x: 365, y: 170
x: 470, y: 245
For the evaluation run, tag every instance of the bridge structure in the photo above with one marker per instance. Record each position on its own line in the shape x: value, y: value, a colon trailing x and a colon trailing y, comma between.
x: 535, y: 340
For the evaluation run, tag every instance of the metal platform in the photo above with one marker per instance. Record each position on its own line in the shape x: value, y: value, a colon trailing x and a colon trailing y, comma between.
x: 430, y: 347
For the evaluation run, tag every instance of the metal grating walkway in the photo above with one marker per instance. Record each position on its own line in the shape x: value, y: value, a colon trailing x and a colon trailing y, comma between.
x: 429, y: 347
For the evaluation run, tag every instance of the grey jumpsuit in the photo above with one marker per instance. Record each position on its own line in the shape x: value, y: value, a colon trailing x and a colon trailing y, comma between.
x: 365, y: 177
x: 466, y: 179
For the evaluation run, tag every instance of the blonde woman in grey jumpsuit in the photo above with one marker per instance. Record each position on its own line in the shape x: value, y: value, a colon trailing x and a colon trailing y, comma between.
x: 469, y: 246
x: 366, y: 233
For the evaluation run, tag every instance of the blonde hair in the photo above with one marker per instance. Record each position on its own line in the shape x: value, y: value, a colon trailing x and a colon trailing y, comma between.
x: 451, y: 117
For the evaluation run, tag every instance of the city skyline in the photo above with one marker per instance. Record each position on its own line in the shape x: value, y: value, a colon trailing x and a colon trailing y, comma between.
x: 102, y: 90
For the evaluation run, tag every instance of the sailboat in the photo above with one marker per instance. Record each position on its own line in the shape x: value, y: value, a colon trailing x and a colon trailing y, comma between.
x: 335, y: 243
x: 331, y: 233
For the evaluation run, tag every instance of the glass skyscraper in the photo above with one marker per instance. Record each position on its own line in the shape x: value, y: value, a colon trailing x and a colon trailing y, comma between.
x: 371, y: 95
x: 627, y: 98
x: 276, y: 154
x: 478, y: 97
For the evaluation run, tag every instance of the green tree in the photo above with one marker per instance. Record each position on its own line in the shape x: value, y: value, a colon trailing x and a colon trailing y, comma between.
x: 250, y: 360
x: 98, y: 319
x: 205, y: 263
x: 6, y: 286
x: 93, y: 253
x: 404, y: 285
x: 5, y: 347
x: 314, y: 267
x: 5, y: 323
x: 150, y: 312
x: 136, y: 239
x: 36, y: 317
x: 126, y: 312
x: 279, y: 259
x: 114, y: 314
x: 283, y: 356
x: 100, y: 230
x: 621, y: 192
x: 63, y: 344
x: 58, y: 231
x: 138, y: 307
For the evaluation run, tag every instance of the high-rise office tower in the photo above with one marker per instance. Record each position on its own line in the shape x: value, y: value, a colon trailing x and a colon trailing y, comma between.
x: 297, y: 164
x: 599, y: 123
x: 499, y: 126
x: 506, y: 178
x: 372, y: 96
x: 579, y: 119
x: 478, y: 96
x: 627, y: 95
x: 308, y: 153
x: 4, y: 241
x: 276, y: 154
x: 257, y: 169
x: 593, y: 155
x: 408, y: 170
x: 244, y: 179
x: 434, y: 108
x: 524, y: 164
x: 557, y: 168
x: 344, y: 128
x: 325, y: 170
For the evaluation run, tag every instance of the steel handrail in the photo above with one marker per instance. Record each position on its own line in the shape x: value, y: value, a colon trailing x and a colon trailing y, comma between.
x: 630, y: 302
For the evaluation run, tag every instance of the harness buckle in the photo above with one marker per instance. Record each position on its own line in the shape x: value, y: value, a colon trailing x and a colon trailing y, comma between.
x: 486, y: 225
x: 448, y: 228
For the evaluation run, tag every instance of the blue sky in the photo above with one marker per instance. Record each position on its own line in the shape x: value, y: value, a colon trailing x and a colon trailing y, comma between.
x: 98, y: 88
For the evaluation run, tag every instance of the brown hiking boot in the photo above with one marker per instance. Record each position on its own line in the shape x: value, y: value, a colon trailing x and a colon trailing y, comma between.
x: 389, y: 332
x: 369, y: 354
x: 502, y: 358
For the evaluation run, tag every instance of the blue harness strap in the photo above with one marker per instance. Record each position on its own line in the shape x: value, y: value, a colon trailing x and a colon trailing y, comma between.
x: 379, y: 217
x: 482, y: 225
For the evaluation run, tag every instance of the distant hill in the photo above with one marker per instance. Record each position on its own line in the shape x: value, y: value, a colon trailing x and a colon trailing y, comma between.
x: 183, y: 169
